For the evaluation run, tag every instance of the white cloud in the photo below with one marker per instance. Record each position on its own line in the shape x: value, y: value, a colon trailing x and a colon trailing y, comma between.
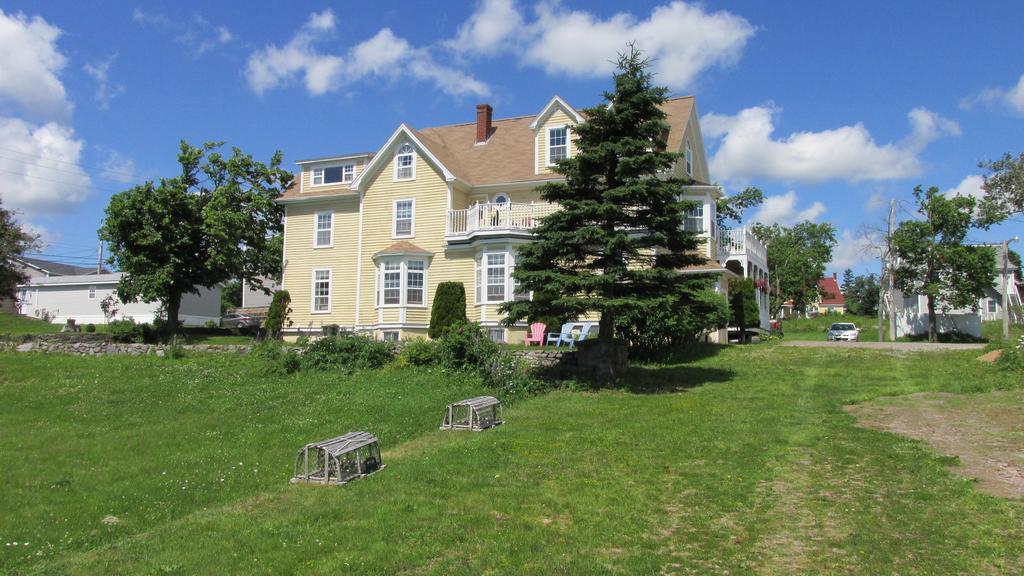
x: 854, y: 250
x: 782, y: 210
x: 972, y: 185
x: 383, y: 55
x: 1011, y: 98
x: 40, y: 167
x: 489, y: 30
x: 29, y: 64
x: 118, y: 168
x: 875, y: 201
x: 105, y: 90
x: 747, y: 149
x: 197, y: 33
x: 682, y: 40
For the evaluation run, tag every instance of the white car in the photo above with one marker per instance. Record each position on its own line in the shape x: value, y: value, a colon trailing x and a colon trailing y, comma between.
x: 843, y: 331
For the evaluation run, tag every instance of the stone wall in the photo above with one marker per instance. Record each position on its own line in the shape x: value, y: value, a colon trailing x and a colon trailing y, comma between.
x: 100, y: 345
x: 546, y: 358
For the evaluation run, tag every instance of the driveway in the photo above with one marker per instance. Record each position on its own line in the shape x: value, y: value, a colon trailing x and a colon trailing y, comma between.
x: 905, y: 346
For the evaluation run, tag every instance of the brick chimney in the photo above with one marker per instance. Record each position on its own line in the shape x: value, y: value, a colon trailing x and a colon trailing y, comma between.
x: 483, y: 122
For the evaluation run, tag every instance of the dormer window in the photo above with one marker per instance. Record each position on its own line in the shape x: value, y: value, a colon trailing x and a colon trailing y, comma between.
x: 688, y: 155
x: 334, y: 174
x: 558, y: 144
x: 405, y: 168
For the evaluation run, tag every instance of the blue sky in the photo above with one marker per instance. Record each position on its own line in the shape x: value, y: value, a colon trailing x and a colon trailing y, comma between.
x: 831, y: 109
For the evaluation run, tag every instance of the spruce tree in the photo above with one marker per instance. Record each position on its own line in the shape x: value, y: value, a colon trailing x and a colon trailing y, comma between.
x: 617, y: 241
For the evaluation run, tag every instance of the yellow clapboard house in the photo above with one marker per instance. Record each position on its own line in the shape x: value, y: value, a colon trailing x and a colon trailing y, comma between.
x: 369, y: 236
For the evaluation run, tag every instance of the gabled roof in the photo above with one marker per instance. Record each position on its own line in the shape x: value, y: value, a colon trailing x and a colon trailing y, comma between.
x: 831, y: 295
x: 507, y: 157
x: 57, y: 268
x: 403, y: 248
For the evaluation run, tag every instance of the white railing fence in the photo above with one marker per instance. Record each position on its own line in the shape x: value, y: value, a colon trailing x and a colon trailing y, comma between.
x: 498, y: 216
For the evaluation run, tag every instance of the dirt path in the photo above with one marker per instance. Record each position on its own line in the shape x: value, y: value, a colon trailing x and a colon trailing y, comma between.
x: 905, y: 346
x: 985, y: 431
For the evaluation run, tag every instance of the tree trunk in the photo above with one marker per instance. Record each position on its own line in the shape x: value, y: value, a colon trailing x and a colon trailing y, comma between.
x: 173, y: 308
x: 933, y: 330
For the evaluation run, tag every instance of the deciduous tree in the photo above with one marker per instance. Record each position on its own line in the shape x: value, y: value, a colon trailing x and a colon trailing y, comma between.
x: 14, y: 241
x: 797, y: 257
x: 933, y: 259
x: 217, y: 220
x: 1004, y: 190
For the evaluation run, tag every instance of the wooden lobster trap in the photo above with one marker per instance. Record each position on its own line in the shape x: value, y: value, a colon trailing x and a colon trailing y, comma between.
x: 475, y: 414
x: 338, y: 460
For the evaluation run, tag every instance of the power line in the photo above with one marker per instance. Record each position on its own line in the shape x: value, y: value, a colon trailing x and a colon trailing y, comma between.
x: 68, y: 184
x: 78, y: 172
x: 75, y: 164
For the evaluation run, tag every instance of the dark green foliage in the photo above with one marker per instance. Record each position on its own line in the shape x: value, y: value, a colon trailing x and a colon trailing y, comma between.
x: 1004, y: 190
x: 1012, y: 357
x: 218, y: 220
x: 345, y: 353
x: 732, y: 208
x: 670, y: 321
x: 861, y: 293
x: 419, y: 352
x: 449, y: 308
x: 124, y: 330
x: 797, y: 257
x: 743, y: 303
x: 268, y: 350
x: 617, y: 206
x: 290, y: 362
x: 466, y: 346
x: 934, y: 260
x: 90, y: 328
x: 277, y: 314
x: 230, y: 295
x: 14, y: 241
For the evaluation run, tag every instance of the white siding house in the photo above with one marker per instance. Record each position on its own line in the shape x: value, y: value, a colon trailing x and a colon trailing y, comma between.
x: 79, y: 297
x: 912, y: 317
x: 253, y: 297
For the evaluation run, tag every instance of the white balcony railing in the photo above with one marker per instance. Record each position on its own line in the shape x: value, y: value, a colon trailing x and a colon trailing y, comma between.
x: 742, y: 242
x: 492, y: 216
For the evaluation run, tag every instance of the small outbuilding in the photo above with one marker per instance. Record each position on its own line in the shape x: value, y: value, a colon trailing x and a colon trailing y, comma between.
x: 338, y: 460
x: 475, y: 414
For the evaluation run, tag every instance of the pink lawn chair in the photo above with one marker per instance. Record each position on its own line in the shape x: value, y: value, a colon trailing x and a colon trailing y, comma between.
x: 536, y: 334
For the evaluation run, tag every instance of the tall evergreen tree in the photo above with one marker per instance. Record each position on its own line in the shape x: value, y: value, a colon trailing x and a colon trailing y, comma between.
x: 617, y: 241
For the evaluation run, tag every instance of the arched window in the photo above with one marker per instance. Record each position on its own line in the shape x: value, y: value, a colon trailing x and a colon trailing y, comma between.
x: 405, y: 167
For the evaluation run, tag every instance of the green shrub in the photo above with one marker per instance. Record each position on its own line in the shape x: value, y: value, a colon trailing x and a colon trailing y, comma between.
x: 90, y: 328
x: 466, y: 346
x: 174, y: 350
x: 290, y: 362
x: 657, y: 327
x: 277, y: 314
x: 268, y: 350
x: 419, y: 352
x: 124, y: 330
x: 448, y: 309
x: 347, y: 352
x: 743, y: 303
x: 211, y: 325
x: 1012, y: 357
x: 512, y: 378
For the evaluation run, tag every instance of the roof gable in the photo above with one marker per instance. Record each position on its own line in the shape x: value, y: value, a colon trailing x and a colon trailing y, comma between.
x: 383, y: 157
x: 556, y: 103
x: 830, y: 292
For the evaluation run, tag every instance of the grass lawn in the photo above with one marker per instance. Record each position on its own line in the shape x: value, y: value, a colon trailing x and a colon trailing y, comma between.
x: 18, y: 324
x: 742, y: 461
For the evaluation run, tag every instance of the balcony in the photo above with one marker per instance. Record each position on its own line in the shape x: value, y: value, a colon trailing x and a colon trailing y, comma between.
x: 741, y: 244
x: 495, y: 218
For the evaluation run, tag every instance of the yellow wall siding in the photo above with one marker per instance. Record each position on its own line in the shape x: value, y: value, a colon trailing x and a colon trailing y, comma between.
x: 301, y: 259
x: 557, y: 118
x: 430, y: 192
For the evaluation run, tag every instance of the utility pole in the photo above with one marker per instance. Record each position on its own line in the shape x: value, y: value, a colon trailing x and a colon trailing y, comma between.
x: 892, y: 271
x: 1005, y: 280
x: 99, y: 262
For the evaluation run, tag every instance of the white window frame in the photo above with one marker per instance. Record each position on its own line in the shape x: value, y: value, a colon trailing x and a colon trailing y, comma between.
x: 412, y: 156
x: 317, y: 230
x: 412, y: 218
x: 547, y: 142
x: 312, y: 290
x: 347, y: 169
x: 481, y: 266
x: 491, y: 331
x: 389, y: 335
x: 993, y: 306
x: 92, y: 292
x: 688, y: 156
x: 403, y: 281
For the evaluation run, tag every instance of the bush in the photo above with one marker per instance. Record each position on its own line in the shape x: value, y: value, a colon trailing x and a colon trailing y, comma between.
x: 743, y: 303
x: 210, y: 325
x: 277, y: 314
x: 174, y: 350
x: 90, y: 328
x: 124, y: 330
x: 268, y: 350
x: 658, y: 326
x: 419, y: 352
x: 1012, y: 357
x: 466, y: 346
x: 513, y: 377
x: 290, y: 362
x: 348, y: 352
x: 449, y: 308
